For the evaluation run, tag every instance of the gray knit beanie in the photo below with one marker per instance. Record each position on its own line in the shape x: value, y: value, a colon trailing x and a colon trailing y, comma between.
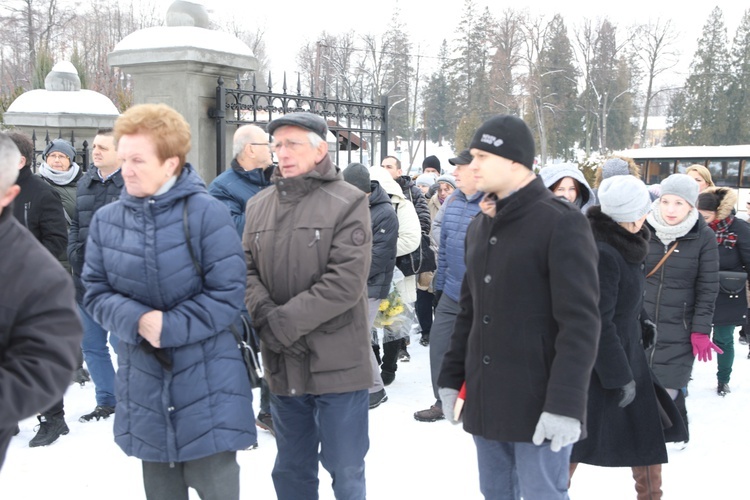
x: 427, y: 179
x: 60, y: 146
x: 624, y: 198
x: 358, y: 176
x: 448, y: 179
x: 615, y: 166
x: 681, y: 185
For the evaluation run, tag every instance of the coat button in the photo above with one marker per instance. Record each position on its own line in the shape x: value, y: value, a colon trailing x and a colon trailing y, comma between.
x: 486, y: 319
x: 486, y: 360
x: 487, y: 278
x: 493, y: 240
x: 643, y: 266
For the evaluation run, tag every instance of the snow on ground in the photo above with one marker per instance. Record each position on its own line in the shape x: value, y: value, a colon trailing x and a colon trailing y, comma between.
x: 407, y: 459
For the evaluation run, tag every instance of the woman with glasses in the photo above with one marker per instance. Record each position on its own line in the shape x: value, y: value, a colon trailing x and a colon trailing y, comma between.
x: 165, y: 273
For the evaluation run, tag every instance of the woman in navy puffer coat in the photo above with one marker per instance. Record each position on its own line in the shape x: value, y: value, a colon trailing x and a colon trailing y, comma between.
x: 184, y: 401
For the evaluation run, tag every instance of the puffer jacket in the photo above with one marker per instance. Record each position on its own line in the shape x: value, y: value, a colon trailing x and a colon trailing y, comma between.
x: 92, y: 193
x: 235, y: 186
x: 38, y: 207
x: 680, y: 299
x: 553, y: 173
x: 734, y: 255
x: 308, y: 244
x: 138, y: 260
x: 413, y: 194
x: 458, y: 213
x: 384, y: 242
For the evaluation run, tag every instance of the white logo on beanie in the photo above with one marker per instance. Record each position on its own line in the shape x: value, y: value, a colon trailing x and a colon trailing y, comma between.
x: 491, y: 139
x: 498, y: 143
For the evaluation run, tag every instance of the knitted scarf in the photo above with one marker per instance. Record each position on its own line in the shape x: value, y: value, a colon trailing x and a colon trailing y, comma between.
x: 666, y: 233
x: 721, y: 228
x: 61, y: 178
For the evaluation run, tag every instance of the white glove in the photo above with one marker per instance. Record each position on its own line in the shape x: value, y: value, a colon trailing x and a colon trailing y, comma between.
x: 448, y: 398
x: 560, y: 430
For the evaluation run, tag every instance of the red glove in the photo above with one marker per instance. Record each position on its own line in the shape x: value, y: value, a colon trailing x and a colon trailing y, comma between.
x: 702, y: 346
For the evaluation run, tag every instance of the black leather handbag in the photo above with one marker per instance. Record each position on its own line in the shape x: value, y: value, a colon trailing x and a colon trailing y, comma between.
x: 421, y: 260
x: 732, y: 283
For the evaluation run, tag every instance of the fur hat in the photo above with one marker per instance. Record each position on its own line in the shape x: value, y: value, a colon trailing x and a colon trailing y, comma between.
x: 60, y: 146
x: 302, y: 119
x: 431, y: 161
x: 507, y: 136
x: 680, y: 185
x: 358, y: 176
x: 624, y: 198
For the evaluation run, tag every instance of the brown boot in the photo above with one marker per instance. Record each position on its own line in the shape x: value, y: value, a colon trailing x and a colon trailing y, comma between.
x: 648, y: 482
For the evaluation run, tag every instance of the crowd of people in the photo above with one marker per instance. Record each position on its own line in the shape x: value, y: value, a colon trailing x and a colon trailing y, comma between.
x: 562, y: 319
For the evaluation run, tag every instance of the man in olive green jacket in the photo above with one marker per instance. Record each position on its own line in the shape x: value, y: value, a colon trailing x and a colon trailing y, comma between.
x: 308, y: 243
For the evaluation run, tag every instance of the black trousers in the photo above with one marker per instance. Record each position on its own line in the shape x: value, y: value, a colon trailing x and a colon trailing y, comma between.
x: 55, y: 411
x: 216, y: 477
x: 423, y: 307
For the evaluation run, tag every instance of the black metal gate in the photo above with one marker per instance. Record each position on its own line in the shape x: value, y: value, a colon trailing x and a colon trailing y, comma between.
x: 359, y: 128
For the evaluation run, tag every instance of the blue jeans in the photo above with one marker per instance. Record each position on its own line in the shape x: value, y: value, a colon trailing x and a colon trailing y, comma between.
x: 338, y: 424
x: 98, y: 361
x: 508, y: 471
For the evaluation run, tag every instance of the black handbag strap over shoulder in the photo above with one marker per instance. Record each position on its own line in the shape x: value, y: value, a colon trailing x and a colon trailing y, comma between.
x: 244, y: 342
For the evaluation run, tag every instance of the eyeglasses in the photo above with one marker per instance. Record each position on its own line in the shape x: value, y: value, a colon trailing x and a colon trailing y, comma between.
x: 270, y: 146
x: 289, y: 144
x: 54, y: 156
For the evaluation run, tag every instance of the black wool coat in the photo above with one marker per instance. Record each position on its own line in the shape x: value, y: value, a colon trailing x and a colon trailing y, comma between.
x: 525, y: 339
x: 680, y: 299
x: 630, y: 436
x: 40, y: 331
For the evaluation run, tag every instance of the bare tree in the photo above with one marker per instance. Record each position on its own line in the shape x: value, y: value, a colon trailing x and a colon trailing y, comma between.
x: 655, y: 46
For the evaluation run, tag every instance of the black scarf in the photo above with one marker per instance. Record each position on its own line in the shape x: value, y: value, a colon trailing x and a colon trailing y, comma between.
x: 632, y: 246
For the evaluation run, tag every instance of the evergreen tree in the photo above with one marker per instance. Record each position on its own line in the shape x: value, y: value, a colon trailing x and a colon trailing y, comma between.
x: 558, y: 77
x: 739, y: 87
x: 437, y: 98
x: 702, y: 117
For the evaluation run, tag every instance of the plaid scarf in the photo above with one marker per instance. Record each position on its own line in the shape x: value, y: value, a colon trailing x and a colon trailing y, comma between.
x: 723, y: 236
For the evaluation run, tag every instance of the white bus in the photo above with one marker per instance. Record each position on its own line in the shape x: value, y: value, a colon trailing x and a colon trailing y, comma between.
x: 729, y: 165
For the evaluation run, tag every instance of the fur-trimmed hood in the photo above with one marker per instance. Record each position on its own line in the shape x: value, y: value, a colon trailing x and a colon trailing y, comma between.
x: 632, y: 246
x: 727, y: 200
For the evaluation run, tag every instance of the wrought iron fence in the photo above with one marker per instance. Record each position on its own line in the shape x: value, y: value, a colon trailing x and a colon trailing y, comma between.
x: 358, y: 128
x: 83, y: 153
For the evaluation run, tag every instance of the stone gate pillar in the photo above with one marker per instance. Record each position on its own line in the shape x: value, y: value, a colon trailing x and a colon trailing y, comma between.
x: 179, y: 65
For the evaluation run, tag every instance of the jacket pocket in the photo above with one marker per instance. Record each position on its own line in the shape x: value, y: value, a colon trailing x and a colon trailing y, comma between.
x: 336, y: 345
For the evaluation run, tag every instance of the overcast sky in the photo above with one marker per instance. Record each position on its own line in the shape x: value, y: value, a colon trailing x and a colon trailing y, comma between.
x: 290, y: 24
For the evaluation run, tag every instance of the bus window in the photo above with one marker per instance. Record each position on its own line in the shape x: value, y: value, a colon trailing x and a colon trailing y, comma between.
x: 745, y: 181
x: 682, y: 165
x: 658, y: 170
x: 725, y: 172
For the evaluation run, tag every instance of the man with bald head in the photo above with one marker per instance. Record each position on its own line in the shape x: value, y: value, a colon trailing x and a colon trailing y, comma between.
x: 40, y: 333
x: 250, y: 172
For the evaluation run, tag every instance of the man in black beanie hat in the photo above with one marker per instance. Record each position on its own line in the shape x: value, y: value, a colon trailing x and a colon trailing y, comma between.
x: 525, y: 339
x: 431, y: 164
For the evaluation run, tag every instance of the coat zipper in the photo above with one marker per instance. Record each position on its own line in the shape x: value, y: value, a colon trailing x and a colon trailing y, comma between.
x: 317, y: 238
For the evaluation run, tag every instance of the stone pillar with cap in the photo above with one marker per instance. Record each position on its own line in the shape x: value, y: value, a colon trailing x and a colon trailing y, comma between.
x: 179, y: 65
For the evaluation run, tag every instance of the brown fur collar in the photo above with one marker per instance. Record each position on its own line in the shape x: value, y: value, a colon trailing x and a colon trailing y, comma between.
x: 727, y: 200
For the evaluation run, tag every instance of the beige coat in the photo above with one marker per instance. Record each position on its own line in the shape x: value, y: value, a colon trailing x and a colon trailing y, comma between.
x: 308, y: 245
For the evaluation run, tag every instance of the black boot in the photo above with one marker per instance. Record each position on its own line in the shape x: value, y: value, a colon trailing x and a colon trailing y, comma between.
x: 50, y: 428
x: 390, y: 355
x: 680, y: 404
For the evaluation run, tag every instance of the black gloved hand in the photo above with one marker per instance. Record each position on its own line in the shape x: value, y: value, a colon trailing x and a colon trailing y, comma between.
x: 436, y: 298
x: 627, y: 394
x: 648, y: 333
